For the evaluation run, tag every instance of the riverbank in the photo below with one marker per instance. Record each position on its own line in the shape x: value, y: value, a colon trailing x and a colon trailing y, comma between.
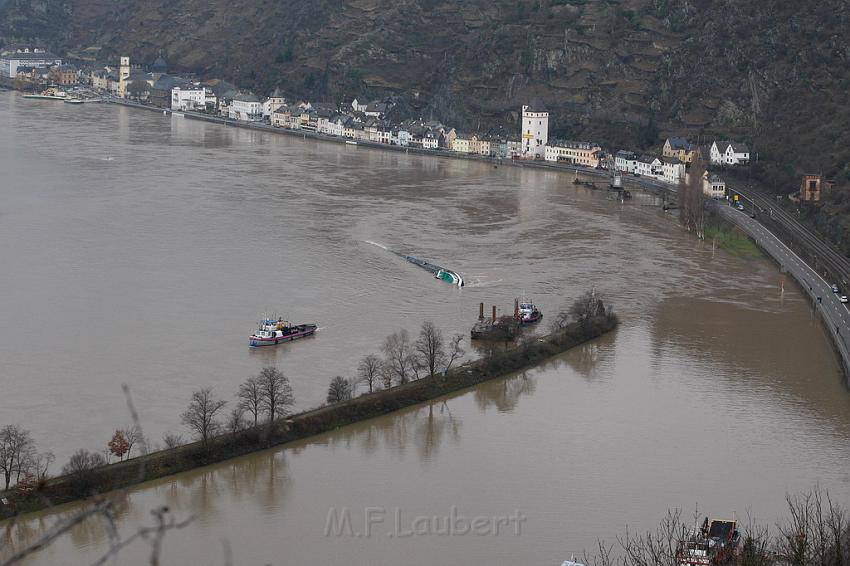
x: 651, y: 185
x: 730, y: 239
x: 167, y: 462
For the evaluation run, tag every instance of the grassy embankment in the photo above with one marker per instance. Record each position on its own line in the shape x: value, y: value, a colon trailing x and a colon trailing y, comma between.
x: 730, y: 239
x: 163, y: 463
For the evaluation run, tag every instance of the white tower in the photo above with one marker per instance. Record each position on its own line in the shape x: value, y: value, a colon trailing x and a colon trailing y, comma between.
x: 123, y: 75
x: 535, y: 129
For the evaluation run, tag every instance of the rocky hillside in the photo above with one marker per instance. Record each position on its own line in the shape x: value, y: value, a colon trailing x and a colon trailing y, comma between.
x: 625, y: 72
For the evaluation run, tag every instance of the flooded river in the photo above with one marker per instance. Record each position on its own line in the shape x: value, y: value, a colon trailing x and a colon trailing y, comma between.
x: 138, y: 248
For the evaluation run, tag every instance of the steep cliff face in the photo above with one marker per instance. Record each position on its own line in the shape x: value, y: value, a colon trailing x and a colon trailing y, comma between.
x: 770, y: 72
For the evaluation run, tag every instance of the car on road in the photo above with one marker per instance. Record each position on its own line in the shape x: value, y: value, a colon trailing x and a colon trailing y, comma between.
x: 740, y: 207
x: 834, y: 288
x: 843, y: 298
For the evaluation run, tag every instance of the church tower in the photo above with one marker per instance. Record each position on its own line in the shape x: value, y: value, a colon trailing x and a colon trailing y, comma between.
x: 123, y: 75
x: 535, y: 129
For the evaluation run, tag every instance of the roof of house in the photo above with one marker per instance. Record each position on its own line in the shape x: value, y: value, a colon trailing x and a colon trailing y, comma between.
x: 377, y: 107
x: 222, y: 89
x: 246, y: 97
x: 31, y: 56
x: 626, y: 154
x: 536, y: 105
x: 681, y: 143
x: 671, y: 160
x: 646, y: 158
x: 722, y: 146
x: 714, y: 179
x: 68, y: 68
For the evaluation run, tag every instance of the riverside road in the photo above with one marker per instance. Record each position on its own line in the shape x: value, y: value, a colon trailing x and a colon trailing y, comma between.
x: 835, y: 313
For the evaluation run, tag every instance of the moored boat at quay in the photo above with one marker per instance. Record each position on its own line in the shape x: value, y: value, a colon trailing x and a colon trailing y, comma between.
x: 271, y: 332
x: 49, y: 94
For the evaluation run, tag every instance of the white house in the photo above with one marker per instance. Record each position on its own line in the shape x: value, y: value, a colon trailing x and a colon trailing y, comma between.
x: 729, y: 153
x: 188, y: 98
x: 358, y: 106
x: 672, y: 170
x: 649, y: 166
x: 535, y: 129
x: 575, y: 152
x: 26, y: 57
x: 625, y: 161
x: 332, y: 126
x: 246, y: 107
x: 403, y: 137
x: 430, y: 140
x: 713, y: 186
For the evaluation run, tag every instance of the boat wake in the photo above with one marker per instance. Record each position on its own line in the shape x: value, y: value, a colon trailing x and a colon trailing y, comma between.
x: 481, y: 281
x: 377, y: 244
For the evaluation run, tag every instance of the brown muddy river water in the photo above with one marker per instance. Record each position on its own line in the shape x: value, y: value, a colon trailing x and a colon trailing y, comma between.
x: 138, y: 248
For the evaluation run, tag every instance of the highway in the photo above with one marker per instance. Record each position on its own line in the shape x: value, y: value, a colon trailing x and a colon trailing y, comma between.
x: 823, y: 253
x: 835, y: 313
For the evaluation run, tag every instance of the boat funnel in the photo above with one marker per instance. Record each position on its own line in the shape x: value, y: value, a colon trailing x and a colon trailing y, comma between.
x: 516, y: 308
x: 494, y: 314
x: 481, y: 311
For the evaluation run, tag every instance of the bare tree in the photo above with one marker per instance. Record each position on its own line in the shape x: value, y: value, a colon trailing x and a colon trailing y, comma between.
x: 251, y: 397
x: 692, y: 200
x: 133, y: 434
x: 560, y: 321
x: 399, y: 356
x: 276, y: 392
x: 200, y: 415
x: 236, y: 421
x: 172, y: 440
x: 587, y: 307
x: 369, y: 370
x: 455, y: 351
x: 16, y: 448
x: 80, y: 469
x: 339, y: 390
x: 386, y: 375
x: 38, y: 465
x: 430, y: 348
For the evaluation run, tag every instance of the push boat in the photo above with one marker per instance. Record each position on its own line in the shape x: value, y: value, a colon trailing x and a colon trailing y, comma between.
x: 526, y: 312
x: 717, y: 542
x: 272, y: 332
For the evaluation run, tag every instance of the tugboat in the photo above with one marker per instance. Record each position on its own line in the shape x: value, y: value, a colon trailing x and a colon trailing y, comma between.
x: 271, y: 332
x: 526, y: 312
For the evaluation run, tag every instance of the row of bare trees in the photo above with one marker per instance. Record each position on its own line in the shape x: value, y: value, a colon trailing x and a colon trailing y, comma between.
x: 692, y: 200
x: 267, y: 395
x: 20, y: 461
x: 402, y: 360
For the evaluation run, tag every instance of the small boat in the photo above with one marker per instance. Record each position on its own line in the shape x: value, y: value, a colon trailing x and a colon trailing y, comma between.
x: 271, y: 332
x: 74, y: 101
x: 350, y: 142
x: 526, y: 312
